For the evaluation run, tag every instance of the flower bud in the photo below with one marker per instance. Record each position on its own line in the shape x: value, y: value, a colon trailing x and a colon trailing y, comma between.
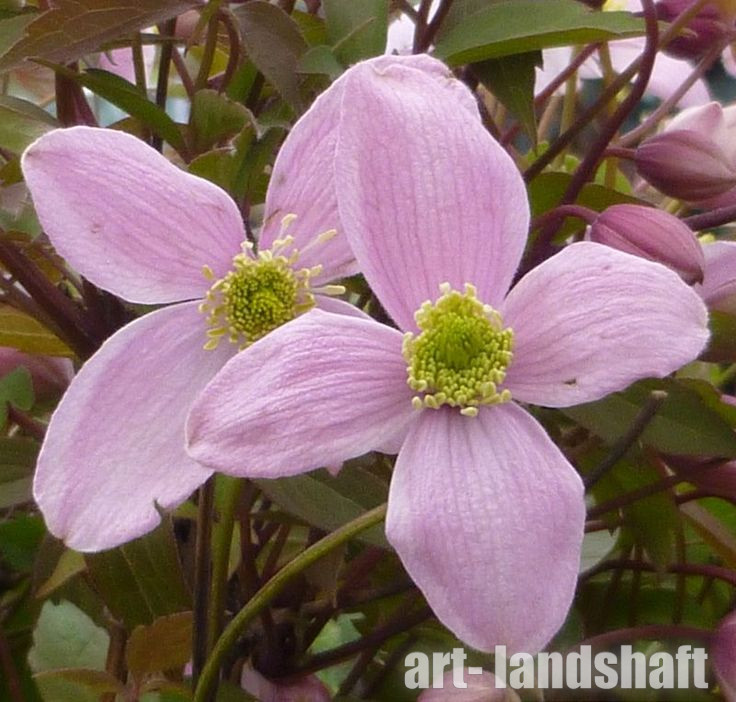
x: 686, y: 165
x: 719, y: 282
x: 709, y: 25
x: 653, y: 234
x: 479, y: 688
x: 716, y: 480
x: 723, y: 656
x: 50, y: 375
x: 306, y: 689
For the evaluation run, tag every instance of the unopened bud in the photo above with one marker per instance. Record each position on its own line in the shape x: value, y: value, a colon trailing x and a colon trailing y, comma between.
x: 716, y: 480
x: 478, y: 687
x: 686, y: 165
x: 723, y: 656
x: 709, y: 25
x: 653, y: 234
x: 719, y: 283
x: 306, y: 689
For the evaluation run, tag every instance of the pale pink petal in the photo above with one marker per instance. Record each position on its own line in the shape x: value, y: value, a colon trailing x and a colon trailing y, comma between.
x: 126, y: 218
x: 719, y: 284
x: 314, y: 392
x: 303, y: 178
x: 303, y: 184
x: 706, y: 120
x: 487, y: 517
x: 591, y: 320
x: 337, y: 306
x: 447, y: 205
x: 479, y: 687
x: 115, y: 445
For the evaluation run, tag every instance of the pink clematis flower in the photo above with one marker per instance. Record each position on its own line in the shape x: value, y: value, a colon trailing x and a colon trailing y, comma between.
x: 484, y: 511
x: 136, y: 225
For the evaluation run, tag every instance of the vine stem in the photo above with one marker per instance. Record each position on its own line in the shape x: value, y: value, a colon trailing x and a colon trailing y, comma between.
x: 273, y: 587
x: 202, y: 576
x: 227, y: 496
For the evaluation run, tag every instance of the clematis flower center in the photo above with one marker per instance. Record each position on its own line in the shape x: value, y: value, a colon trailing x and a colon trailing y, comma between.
x: 461, y: 354
x: 262, y: 291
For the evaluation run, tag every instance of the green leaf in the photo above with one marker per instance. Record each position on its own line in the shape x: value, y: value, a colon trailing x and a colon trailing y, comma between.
x: 15, y: 492
x: 215, y: 117
x: 357, y: 30
x: 70, y: 564
x: 597, y: 546
x: 722, y: 342
x: 16, y: 388
x: 23, y: 332
x: 161, y: 646
x: 712, y: 530
x: 320, y: 60
x: 17, y: 461
x: 19, y: 539
x: 12, y: 30
x: 128, y: 98
x: 511, y: 80
x: 329, y: 502
x: 17, y: 457
x: 61, y: 685
x: 274, y: 44
x: 74, y: 28
x: 311, y: 26
x: 65, y: 637
x: 684, y: 424
x: 547, y: 189
x: 651, y: 521
x: 22, y: 122
x: 141, y: 580
x: 240, y: 168
x: 519, y: 26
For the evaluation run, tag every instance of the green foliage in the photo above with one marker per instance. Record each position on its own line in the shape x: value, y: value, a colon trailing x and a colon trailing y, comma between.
x: 511, y: 80
x: 215, y: 118
x: 141, y: 580
x: 73, y: 28
x: 329, y: 502
x: 21, y: 122
x: 23, y: 332
x: 274, y: 44
x: 356, y: 30
x: 127, y: 97
x: 16, y: 389
x: 688, y: 422
x: 507, y: 27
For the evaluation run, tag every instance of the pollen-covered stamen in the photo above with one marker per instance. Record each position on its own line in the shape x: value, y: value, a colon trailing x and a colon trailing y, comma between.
x: 461, y: 354
x: 262, y: 291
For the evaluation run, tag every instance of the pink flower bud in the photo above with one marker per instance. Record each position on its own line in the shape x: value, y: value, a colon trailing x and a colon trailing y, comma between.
x: 50, y: 375
x: 719, y: 283
x: 716, y: 480
x: 653, y: 234
x: 480, y: 688
x: 723, y: 656
x: 709, y: 25
x: 685, y: 165
x: 308, y: 689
